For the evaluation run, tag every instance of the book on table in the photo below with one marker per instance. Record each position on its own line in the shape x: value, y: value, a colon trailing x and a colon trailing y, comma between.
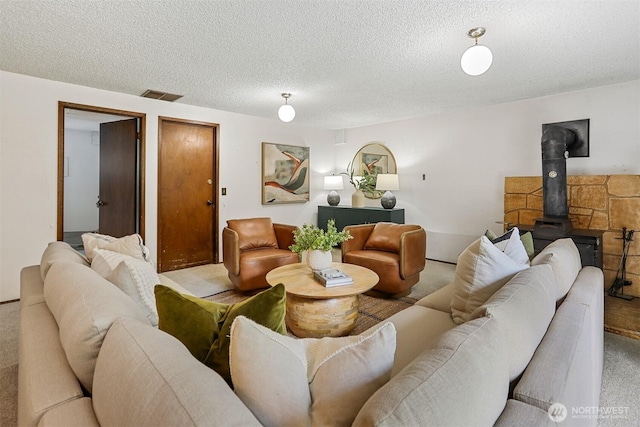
x: 332, y: 277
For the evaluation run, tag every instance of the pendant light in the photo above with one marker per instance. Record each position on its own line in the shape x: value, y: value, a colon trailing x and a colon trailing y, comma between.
x: 478, y: 58
x: 286, y: 113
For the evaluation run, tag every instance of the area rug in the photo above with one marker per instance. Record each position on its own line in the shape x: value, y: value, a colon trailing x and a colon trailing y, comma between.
x: 370, y: 312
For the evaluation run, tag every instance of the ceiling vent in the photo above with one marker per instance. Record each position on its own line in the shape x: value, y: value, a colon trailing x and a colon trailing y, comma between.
x: 164, y: 96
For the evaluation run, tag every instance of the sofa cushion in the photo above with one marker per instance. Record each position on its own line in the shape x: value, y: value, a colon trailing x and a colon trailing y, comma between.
x: 519, y: 414
x: 385, y: 236
x: 482, y: 269
x: 439, y: 300
x: 467, y: 368
x: 131, y: 245
x: 59, y: 251
x: 572, y: 349
x: 417, y: 329
x: 290, y: 382
x: 204, y: 326
x: 145, y: 377
x: 78, y: 412
x: 45, y: 379
x: 137, y: 279
x: 84, y: 306
x: 254, y: 233
x: 523, y: 309
x: 564, y: 258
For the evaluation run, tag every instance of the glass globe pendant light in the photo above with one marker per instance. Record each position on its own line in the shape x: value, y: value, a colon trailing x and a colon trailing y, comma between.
x: 286, y: 112
x: 478, y: 58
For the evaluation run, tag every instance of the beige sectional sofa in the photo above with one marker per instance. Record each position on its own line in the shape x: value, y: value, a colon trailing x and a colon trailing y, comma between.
x: 88, y: 356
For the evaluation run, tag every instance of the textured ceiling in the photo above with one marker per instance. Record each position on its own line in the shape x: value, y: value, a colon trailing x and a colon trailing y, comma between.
x: 347, y: 63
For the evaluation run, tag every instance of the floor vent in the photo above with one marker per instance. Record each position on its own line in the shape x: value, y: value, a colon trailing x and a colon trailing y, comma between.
x: 164, y: 96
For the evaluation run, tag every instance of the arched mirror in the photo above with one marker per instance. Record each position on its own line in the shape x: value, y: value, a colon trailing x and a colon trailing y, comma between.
x: 369, y: 161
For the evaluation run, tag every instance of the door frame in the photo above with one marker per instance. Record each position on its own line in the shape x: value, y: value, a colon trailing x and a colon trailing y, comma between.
x: 141, y: 160
x: 216, y: 177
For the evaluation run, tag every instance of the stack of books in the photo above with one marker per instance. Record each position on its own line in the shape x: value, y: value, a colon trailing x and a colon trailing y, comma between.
x: 332, y: 277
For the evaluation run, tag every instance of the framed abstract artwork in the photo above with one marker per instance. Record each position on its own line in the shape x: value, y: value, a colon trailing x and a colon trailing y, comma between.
x: 285, y: 174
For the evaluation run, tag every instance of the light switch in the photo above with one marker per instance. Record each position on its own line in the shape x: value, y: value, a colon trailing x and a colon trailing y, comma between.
x: 224, y: 191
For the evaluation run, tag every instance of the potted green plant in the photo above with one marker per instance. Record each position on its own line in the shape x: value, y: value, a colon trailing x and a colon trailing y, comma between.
x: 318, y: 243
x: 365, y: 185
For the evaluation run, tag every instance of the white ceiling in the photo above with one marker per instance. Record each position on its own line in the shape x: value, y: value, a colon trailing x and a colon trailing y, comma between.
x: 347, y: 63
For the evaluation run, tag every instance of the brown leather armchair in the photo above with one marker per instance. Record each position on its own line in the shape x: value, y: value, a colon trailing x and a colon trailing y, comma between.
x: 253, y: 247
x: 396, y: 252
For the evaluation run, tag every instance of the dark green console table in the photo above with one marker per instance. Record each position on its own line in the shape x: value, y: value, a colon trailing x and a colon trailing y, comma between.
x: 347, y: 215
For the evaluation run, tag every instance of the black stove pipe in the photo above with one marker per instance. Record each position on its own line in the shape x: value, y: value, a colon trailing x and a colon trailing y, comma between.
x: 555, y: 142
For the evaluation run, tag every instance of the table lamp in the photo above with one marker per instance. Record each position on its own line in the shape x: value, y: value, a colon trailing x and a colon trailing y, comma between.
x: 387, y: 182
x: 333, y: 183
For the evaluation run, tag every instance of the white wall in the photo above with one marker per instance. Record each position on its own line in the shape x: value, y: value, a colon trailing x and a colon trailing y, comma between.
x: 28, y: 164
x: 82, y: 184
x: 465, y: 156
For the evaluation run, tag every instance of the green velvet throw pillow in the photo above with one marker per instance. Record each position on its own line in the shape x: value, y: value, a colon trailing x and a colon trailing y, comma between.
x: 194, y: 321
x: 527, y: 241
x: 204, y: 326
x: 266, y: 308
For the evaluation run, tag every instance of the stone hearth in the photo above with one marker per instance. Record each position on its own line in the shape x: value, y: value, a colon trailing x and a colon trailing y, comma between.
x: 596, y: 202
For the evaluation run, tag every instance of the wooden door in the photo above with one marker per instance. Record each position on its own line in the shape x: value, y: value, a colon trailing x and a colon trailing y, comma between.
x: 117, y: 200
x: 186, y: 194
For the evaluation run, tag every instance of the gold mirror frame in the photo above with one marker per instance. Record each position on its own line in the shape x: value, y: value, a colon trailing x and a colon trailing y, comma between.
x: 372, y: 159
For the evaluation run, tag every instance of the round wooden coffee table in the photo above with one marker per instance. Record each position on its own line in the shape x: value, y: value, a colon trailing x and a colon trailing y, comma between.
x: 314, y: 311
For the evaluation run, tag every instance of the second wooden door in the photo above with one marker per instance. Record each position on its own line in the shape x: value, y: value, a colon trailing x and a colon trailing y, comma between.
x: 186, y: 194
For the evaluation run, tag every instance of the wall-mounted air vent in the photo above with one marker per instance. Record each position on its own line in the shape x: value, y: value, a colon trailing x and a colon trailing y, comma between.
x: 164, y: 96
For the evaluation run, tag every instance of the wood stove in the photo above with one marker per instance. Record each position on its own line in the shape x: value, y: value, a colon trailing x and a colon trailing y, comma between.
x: 561, y: 141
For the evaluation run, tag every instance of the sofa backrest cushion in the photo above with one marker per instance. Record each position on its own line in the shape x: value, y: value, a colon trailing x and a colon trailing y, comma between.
x: 254, y: 233
x: 467, y: 368
x: 481, y: 270
x: 59, y: 251
x: 385, y: 236
x: 523, y: 309
x: 311, y: 381
x: 84, y: 306
x: 564, y: 258
x: 146, y: 377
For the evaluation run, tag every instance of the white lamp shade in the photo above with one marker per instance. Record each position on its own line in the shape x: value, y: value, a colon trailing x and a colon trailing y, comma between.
x: 476, y: 60
x: 286, y: 113
x: 387, y: 181
x: 333, y: 182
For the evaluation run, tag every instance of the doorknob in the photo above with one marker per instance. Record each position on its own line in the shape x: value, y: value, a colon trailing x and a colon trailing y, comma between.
x: 99, y: 203
x: 209, y: 203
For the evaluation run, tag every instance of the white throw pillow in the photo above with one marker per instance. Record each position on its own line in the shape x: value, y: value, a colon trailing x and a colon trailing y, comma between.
x: 105, y: 261
x: 481, y: 270
x: 137, y: 279
x: 511, y: 245
x: 131, y: 245
x: 293, y: 382
x: 564, y: 257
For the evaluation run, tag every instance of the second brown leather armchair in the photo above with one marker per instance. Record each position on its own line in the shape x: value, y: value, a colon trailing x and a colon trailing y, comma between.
x: 252, y: 247
x: 396, y: 252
